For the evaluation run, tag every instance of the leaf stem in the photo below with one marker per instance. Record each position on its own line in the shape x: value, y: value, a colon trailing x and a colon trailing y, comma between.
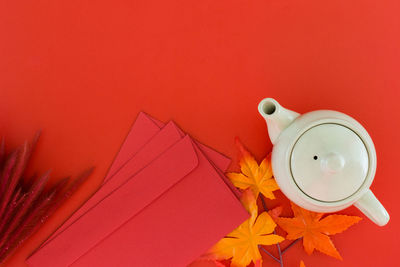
x: 269, y: 254
x: 291, y: 244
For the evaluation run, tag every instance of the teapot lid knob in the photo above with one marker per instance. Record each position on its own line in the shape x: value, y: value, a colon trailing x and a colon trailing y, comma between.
x: 332, y: 163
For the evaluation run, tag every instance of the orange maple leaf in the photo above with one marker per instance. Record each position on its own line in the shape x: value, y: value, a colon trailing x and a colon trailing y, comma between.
x: 241, y: 245
x: 314, y: 230
x: 302, y: 264
x: 258, y: 178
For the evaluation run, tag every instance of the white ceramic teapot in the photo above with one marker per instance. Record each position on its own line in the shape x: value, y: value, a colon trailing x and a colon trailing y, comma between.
x: 323, y: 160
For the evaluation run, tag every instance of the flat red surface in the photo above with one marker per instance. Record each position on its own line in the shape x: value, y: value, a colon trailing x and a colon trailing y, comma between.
x: 82, y: 71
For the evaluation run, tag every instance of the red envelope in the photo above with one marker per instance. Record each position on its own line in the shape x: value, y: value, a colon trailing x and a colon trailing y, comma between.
x: 176, y: 227
x: 146, y: 130
x: 193, y: 198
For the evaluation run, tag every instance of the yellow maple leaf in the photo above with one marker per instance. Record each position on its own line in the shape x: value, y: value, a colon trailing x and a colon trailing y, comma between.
x: 241, y: 245
x: 315, y: 230
x: 258, y: 178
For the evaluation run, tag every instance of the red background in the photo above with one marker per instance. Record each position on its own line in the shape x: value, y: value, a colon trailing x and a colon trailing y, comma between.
x: 82, y: 71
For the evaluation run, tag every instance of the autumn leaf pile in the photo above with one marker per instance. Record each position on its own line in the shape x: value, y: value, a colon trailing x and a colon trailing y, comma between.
x: 26, y: 204
x: 241, y: 246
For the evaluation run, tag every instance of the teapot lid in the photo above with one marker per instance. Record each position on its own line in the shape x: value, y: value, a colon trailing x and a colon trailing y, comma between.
x: 329, y: 162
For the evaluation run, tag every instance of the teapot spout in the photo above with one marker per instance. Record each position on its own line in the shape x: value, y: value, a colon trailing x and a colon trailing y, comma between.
x: 276, y: 116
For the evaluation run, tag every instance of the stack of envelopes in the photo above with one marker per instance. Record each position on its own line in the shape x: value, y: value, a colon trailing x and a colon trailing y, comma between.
x: 164, y: 202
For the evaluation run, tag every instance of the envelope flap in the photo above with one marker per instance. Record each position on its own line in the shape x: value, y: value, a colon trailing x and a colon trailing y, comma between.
x: 141, y: 132
x: 173, y: 166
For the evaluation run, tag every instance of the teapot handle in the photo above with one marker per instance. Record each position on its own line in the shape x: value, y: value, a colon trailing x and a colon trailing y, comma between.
x: 372, y: 208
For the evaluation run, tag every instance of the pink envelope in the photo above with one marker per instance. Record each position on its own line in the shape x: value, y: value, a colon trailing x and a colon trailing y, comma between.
x: 195, y: 205
x: 146, y: 130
